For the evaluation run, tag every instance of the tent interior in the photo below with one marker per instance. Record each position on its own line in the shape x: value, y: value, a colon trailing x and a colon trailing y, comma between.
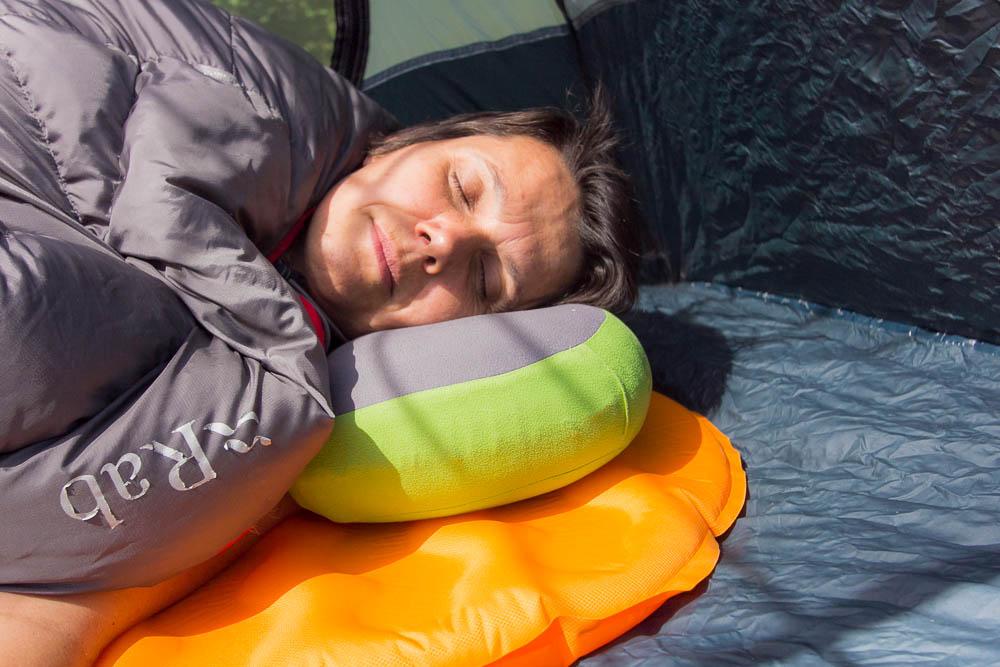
x: 820, y: 194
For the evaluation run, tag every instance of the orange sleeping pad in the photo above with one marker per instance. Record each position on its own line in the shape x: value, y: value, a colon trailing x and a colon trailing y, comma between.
x: 540, y: 582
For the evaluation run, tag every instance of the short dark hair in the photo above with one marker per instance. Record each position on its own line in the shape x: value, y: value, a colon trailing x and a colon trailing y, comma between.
x: 607, y: 222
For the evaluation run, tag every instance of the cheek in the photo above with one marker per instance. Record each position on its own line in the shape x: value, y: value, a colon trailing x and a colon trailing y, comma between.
x: 419, y: 191
x: 435, y: 303
x: 338, y: 241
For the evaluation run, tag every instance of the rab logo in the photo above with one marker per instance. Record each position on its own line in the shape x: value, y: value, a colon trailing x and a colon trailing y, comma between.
x: 191, y: 469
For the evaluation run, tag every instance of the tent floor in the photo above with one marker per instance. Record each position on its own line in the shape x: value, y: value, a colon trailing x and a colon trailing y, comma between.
x: 872, y: 529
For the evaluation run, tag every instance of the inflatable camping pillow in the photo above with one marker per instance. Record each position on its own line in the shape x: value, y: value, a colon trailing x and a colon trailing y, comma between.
x: 475, y: 413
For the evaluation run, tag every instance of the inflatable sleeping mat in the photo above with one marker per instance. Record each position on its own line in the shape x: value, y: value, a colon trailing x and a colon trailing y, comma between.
x: 539, y: 582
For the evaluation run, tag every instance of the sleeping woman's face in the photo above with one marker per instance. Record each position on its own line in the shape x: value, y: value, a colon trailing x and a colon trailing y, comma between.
x: 444, y: 229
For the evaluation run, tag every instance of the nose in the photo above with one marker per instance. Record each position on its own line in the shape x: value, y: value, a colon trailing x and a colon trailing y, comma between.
x: 444, y: 240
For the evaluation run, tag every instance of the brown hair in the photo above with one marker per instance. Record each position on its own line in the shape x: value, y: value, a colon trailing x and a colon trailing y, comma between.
x: 607, y: 215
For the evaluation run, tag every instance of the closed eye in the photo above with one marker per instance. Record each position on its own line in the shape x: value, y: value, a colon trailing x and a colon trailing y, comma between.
x: 460, y: 190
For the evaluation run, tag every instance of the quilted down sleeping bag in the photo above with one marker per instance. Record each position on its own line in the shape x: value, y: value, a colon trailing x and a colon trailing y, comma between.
x: 162, y: 385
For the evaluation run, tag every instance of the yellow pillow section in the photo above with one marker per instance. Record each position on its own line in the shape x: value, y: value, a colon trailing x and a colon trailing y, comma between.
x: 540, y: 582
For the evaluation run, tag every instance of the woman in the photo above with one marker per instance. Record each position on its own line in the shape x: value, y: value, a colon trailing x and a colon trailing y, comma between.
x: 171, y: 171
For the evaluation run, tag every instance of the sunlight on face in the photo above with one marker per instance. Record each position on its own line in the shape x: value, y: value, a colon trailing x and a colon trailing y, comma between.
x: 444, y: 229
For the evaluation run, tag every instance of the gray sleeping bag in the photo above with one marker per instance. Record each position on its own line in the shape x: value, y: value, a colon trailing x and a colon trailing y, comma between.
x: 160, y: 383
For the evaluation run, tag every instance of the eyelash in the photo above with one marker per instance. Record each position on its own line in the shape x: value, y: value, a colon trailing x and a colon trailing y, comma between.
x: 482, y: 279
x: 461, y: 191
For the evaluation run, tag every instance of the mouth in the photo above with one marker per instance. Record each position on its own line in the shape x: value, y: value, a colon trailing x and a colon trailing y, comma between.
x: 385, y: 257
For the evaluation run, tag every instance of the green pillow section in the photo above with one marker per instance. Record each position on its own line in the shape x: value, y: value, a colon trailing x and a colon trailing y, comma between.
x: 487, y: 441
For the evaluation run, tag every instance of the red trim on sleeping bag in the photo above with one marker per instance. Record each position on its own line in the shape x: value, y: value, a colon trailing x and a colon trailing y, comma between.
x: 233, y: 543
x: 290, y: 237
x: 281, y: 249
x: 314, y: 319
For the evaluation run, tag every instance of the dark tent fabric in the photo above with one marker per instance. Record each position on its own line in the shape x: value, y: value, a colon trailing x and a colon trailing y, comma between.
x: 846, y: 153
x: 822, y: 182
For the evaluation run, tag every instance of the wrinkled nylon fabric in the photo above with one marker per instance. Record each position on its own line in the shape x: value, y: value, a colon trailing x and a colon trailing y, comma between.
x: 539, y: 582
x: 846, y: 153
x: 872, y: 530
x: 161, y: 386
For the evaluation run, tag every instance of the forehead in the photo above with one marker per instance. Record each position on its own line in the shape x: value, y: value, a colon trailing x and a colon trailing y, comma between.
x: 533, y: 175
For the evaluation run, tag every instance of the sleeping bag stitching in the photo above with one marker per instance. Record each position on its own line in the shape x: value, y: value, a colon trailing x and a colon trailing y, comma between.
x: 202, y: 68
x: 18, y: 194
x: 249, y: 92
x: 31, y: 108
x: 232, y: 49
x: 120, y: 180
x: 254, y: 96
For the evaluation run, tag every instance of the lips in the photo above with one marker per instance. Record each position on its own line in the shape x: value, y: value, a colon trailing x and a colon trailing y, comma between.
x: 385, y: 257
